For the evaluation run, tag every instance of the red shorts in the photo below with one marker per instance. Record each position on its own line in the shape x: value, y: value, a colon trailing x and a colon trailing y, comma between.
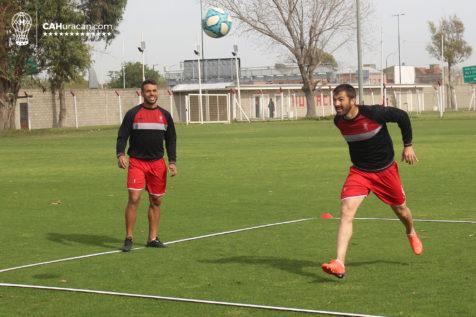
x: 386, y: 185
x: 150, y: 173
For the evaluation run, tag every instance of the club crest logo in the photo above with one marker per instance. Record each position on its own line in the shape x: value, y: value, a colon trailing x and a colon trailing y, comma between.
x: 21, y: 23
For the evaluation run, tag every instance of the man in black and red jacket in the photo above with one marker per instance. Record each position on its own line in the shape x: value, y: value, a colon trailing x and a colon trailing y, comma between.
x: 147, y: 127
x: 374, y: 168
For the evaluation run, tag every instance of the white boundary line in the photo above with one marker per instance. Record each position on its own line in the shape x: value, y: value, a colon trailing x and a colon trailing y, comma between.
x: 171, y: 242
x: 189, y: 300
x: 219, y: 234
x: 419, y: 220
x: 201, y: 301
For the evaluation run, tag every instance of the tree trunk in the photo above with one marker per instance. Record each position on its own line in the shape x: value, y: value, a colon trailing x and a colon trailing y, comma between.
x: 54, y: 108
x: 308, y: 89
x: 449, y: 91
x: 310, y: 102
x: 7, y: 117
x: 62, y: 113
x: 8, y: 101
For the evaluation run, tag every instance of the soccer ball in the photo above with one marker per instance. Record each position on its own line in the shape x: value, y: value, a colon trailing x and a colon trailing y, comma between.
x: 216, y: 23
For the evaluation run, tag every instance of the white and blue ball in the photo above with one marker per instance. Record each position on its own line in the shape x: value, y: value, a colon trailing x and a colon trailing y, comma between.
x: 216, y: 23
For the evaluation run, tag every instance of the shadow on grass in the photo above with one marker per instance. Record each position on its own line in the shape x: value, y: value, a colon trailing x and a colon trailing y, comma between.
x: 46, y: 276
x: 289, y: 265
x: 88, y: 239
x: 364, y: 263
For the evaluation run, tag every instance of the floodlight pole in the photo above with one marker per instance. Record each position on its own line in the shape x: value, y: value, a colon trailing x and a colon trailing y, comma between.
x: 200, y: 106
x: 235, y: 54
x: 399, y: 59
x: 201, y: 29
x: 142, y: 43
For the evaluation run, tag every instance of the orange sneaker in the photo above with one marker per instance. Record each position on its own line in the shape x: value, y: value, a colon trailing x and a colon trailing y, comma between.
x: 334, y: 267
x: 416, y: 244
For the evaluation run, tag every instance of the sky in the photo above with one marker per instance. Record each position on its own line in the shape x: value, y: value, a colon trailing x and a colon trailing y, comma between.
x: 171, y: 30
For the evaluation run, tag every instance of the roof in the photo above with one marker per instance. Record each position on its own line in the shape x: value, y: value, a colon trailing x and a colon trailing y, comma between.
x: 278, y: 87
x: 206, y: 86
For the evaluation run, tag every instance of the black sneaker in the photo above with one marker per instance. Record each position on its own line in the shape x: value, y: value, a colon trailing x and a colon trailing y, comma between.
x: 156, y: 243
x: 127, y: 245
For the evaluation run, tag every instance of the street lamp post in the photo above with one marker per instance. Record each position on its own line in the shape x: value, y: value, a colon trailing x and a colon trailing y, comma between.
x: 386, y: 59
x: 399, y: 60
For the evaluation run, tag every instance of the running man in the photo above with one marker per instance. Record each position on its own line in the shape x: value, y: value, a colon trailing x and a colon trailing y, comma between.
x: 374, y: 168
x: 146, y: 126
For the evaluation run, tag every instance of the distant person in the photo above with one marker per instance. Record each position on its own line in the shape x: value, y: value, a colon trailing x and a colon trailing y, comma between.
x: 146, y: 126
x: 374, y: 168
x: 271, y: 108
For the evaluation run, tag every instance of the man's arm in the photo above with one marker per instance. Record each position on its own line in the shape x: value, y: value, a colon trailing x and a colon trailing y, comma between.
x: 391, y: 114
x: 122, y: 137
x: 171, y: 144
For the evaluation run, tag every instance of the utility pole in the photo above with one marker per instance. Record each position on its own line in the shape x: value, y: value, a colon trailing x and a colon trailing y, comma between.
x: 359, y: 56
x: 123, y: 68
x: 381, y: 65
x: 443, y: 100
x: 399, y: 59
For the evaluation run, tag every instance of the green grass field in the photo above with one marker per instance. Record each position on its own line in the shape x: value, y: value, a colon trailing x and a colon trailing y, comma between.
x: 62, y: 195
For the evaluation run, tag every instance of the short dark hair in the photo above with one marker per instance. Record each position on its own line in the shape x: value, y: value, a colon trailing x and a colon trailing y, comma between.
x: 148, y: 82
x: 349, y: 90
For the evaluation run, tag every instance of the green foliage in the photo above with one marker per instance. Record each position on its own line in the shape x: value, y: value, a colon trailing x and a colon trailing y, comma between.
x: 34, y: 82
x: 32, y: 66
x: 64, y: 58
x: 320, y: 57
x: 455, y: 48
x: 67, y: 59
x: 108, y: 12
x: 133, y: 73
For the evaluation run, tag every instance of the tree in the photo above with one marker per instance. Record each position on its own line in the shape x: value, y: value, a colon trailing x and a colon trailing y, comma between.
x: 455, y: 48
x: 133, y: 73
x: 64, y: 58
x: 12, y: 66
x: 309, y: 29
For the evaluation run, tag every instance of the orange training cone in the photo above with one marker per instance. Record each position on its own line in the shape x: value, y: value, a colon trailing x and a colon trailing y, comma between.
x: 327, y: 215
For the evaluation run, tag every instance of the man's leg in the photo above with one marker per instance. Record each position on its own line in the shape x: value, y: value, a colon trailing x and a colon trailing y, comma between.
x: 404, y: 214
x: 156, y: 180
x: 130, y: 217
x: 154, y: 215
x: 388, y: 188
x: 131, y: 211
x: 348, y: 210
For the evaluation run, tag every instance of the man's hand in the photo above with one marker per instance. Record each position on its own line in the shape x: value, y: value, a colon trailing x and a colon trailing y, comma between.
x: 409, y: 156
x: 122, y: 161
x: 172, y: 169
